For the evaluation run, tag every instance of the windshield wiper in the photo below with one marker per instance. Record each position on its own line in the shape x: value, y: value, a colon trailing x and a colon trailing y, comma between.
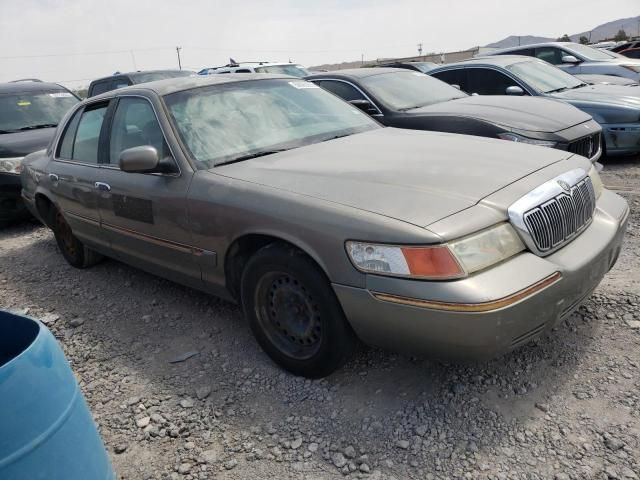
x: 336, y: 136
x: 252, y: 155
x: 557, y: 90
x: 411, y: 108
x: 38, y: 126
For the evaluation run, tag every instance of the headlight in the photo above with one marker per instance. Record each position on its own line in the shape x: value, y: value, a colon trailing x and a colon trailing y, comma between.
x: 11, y: 165
x: 514, y: 137
x: 633, y: 68
x: 447, y: 261
x: 596, y: 181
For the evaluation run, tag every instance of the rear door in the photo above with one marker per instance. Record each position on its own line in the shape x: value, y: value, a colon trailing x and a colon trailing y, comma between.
x: 74, y: 171
x: 146, y: 213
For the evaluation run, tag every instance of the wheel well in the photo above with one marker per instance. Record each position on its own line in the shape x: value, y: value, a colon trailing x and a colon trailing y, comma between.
x: 241, y: 251
x: 45, y: 209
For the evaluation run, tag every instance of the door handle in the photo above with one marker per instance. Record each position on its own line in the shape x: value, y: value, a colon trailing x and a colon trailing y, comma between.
x: 105, y: 187
x: 53, y: 177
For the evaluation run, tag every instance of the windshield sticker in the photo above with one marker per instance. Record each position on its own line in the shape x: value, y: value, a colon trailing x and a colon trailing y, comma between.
x: 60, y: 95
x: 24, y: 103
x: 300, y: 85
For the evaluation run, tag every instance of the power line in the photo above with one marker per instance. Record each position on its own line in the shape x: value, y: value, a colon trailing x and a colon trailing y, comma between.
x: 74, y: 54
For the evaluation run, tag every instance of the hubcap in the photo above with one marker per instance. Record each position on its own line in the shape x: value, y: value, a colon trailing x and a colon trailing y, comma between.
x: 289, y: 315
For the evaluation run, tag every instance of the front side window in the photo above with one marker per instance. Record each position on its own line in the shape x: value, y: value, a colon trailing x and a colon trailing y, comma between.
x: 33, y: 110
x: 454, y: 77
x: 135, y: 125
x: 81, y: 143
x: 409, y: 90
x: 341, y: 89
x: 551, y: 55
x: 543, y: 77
x: 226, y: 123
x: 485, y: 81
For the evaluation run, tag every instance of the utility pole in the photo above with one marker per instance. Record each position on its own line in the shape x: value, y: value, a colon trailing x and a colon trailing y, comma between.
x: 518, y: 40
x: 362, y: 59
x: 178, y: 52
x: 420, y: 49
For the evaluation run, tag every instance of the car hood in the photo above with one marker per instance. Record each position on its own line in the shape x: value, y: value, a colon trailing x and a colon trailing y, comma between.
x: 618, y: 95
x: 415, y: 176
x: 521, y: 113
x: 20, y: 144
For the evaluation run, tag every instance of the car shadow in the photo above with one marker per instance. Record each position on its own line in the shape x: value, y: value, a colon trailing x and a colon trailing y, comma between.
x: 137, y: 324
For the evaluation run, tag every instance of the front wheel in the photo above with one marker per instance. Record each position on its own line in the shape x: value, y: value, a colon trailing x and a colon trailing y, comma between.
x: 76, y: 253
x: 294, y: 313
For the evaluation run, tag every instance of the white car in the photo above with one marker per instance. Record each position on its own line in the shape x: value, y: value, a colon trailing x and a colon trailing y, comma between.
x: 575, y: 59
x: 292, y: 69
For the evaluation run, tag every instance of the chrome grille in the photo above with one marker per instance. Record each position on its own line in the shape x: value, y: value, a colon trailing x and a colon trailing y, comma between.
x: 586, y: 146
x: 557, y: 220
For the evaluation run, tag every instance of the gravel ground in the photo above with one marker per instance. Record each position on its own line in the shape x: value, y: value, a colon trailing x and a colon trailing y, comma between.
x: 180, y: 389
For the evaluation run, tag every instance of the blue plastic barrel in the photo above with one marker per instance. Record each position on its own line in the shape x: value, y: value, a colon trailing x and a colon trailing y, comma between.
x: 46, y: 428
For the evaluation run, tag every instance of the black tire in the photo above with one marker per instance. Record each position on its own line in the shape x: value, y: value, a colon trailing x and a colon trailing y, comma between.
x: 76, y: 253
x: 294, y: 313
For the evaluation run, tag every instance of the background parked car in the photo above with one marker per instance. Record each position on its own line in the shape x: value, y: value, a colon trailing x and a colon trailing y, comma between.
x: 626, y: 46
x: 613, y: 107
x: 575, y: 58
x: 416, y: 66
x: 29, y: 113
x: 631, y: 53
x: 292, y: 69
x: 121, y: 80
x: 403, y: 99
x: 323, y: 225
x: 593, y: 79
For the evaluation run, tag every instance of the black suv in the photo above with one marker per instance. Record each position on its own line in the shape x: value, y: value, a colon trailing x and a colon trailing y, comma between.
x: 120, y: 80
x: 29, y: 112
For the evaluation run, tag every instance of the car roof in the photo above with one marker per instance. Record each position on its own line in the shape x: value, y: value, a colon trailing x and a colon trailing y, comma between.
x: 136, y: 74
x: 178, y: 84
x: 534, y: 45
x: 29, y: 86
x: 355, y: 73
x: 498, y: 61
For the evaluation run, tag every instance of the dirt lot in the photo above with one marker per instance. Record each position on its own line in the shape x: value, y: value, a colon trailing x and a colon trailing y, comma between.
x: 567, y: 407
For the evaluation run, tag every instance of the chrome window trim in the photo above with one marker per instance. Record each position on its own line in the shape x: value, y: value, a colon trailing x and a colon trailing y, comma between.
x: 536, y: 197
x: 379, y: 114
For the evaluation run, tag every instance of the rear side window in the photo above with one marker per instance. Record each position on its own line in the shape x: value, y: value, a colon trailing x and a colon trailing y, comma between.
x: 85, y: 144
x: 454, y: 77
x: 341, y: 89
x: 484, y: 81
x: 242, y: 70
x: 66, y: 145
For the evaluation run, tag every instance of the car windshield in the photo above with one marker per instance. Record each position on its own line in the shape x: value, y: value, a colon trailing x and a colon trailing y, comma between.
x: 153, y: 76
x: 408, y: 90
x: 591, y: 53
x: 226, y: 123
x: 32, y: 110
x: 545, y: 78
x: 293, y: 70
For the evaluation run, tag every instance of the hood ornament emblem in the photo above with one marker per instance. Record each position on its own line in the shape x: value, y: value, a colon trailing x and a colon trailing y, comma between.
x: 564, y: 185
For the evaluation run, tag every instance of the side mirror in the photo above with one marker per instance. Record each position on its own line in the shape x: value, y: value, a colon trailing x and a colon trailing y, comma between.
x: 570, y: 59
x: 139, y: 160
x: 514, y: 90
x: 364, y: 105
x: 455, y: 85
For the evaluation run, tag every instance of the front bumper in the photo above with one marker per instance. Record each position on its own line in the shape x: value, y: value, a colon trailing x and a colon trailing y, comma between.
x: 11, y: 205
x: 466, y: 333
x: 622, y: 138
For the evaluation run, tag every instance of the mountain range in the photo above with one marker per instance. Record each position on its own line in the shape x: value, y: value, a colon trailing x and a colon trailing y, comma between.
x: 607, y: 30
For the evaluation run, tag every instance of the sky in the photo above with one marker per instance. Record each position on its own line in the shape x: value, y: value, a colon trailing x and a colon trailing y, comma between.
x: 75, y: 41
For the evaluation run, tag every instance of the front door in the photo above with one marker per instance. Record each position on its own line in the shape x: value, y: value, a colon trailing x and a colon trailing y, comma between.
x: 74, y: 171
x: 145, y: 214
